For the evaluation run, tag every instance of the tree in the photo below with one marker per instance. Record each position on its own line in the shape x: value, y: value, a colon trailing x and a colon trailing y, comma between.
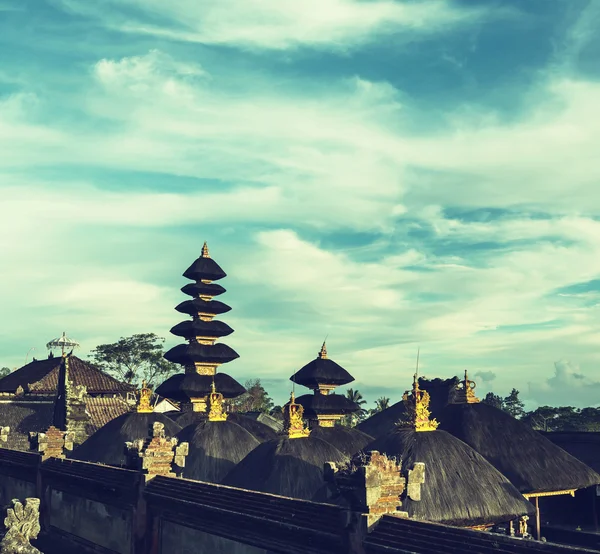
x: 136, y: 358
x: 564, y: 418
x: 494, y: 400
x: 382, y: 403
x: 255, y: 399
x: 4, y: 372
x: 514, y: 405
x: 352, y: 419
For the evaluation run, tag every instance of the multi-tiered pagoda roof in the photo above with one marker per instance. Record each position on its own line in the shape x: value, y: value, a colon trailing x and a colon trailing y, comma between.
x: 202, y: 355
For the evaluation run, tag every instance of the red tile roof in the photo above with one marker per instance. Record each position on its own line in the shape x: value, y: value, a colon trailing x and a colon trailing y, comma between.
x: 41, y: 377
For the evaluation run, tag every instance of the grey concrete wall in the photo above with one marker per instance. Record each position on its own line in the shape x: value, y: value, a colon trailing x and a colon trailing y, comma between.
x: 183, y: 540
x: 96, y: 522
x: 11, y: 487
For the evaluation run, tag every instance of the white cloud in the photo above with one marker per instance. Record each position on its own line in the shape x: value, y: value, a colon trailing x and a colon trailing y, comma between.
x: 282, y: 24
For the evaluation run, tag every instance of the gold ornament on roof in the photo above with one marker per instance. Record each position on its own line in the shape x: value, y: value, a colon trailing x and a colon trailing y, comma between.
x: 215, y: 405
x: 144, y: 406
x: 293, y: 424
x: 205, y: 253
x: 323, y: 352
x: 464, y: 392
x: 417, y: 409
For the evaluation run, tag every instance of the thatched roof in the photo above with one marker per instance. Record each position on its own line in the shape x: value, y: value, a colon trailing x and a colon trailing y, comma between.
x: 184, y: 386
x: 583, y: 445
x: 215, y: 448
x: 529, y: 460
x: 348, y: 440
x: 107, y: 445
x: 461, y: 487
x: 321, y: 370
x: 201, y: 328
x: 204, y: 268
x: 184, y: 354
x: 260, y: 431
x: 385, y: 421
x: 41, y: 377
x: 287, y: 467
x: 315, y: 404
x: 206, y: 289
x: 197, y: 305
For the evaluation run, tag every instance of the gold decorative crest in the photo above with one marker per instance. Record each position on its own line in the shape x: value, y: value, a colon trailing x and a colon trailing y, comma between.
x: 144, y: 406
x: 417, y: 409
x: 293, y: 424
x: 205, y: 253
x: 464, y: 393
x: 215, y: 404
x: 323, y: 352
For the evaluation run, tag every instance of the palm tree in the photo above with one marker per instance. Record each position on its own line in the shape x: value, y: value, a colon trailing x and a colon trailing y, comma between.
x: 382, y: 403
x: 356, y: 397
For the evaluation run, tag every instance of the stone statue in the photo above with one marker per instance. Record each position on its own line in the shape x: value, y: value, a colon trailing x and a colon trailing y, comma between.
x: 22, y: 524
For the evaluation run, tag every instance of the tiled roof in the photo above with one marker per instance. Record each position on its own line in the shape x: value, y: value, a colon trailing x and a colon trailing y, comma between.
x: 103, y: 410
x: 41, y: 377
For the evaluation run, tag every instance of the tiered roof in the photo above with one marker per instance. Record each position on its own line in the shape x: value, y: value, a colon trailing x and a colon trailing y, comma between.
x: 202, y: 355
x: 322, y: 375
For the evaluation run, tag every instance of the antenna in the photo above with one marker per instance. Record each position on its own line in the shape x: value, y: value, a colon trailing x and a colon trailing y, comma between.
x: 417, y: 370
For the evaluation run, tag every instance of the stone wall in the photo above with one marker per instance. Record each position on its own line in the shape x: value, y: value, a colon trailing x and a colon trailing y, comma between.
x: 99, y: 523
x: 13, y: 487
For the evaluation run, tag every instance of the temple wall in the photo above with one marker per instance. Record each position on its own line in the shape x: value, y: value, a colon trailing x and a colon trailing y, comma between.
x: 184, y: 540
x: 101, y: 524
x: 13, y: 487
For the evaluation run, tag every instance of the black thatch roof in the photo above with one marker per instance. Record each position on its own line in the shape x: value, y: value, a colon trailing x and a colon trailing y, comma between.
x: 197, y: 305
x: 23, y: 418
x: 215, y: 448
x: 585, y: 446
x: 287, y: 467
x: 41, y: 377
x: 182, y: 387
x: 321, y: 371
x: 204, y: 268
x: 348, y: 440
x: 385, y: 421
x: 207, y: 353
x: 257, y: 429
x: 318, y: 403
x: 529, y: 460
x: 205, y: 289
x: 201, y: 328
x: 107, y: 445
x: 461, y: 488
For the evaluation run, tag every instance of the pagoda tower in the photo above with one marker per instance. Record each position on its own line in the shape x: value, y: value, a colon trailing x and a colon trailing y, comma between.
x: 324, y: 408
x: 202, y: 355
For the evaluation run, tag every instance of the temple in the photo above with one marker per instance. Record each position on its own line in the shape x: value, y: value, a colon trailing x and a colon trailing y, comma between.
x: 202, y: 356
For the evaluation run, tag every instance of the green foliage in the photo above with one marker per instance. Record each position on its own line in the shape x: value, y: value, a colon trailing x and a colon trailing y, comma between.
x: 255, y: 399
x: 4, y: 372
x: 136, y: 358
x: 514, y: 405
x: 564, y: 418
x: 511, y: 404
x: 382, y: 403
x: 351, y: 420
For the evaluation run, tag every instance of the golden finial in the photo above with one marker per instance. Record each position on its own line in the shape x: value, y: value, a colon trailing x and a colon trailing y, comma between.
x: 464, y: 392
x: 323, y: 352
x: 205, y: 253
x: 144, y: 406
x: 215, y: 405
x: 417, y: 409
x: 293, y: 424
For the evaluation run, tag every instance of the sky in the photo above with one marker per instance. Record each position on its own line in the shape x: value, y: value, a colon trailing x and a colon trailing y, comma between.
x: 392, y: 175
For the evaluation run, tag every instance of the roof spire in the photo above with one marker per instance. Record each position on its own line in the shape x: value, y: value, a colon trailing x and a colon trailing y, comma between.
x: 323, y: 352
x: 59, y: 419
x: 293, y: 424
x: 215, y: 405
x: 464, y: 392
x: 205, y: 253
x: 417, y: 409
x: 144, y: 406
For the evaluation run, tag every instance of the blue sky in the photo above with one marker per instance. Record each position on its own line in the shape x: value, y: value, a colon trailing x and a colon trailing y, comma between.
x: 392, y: 174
